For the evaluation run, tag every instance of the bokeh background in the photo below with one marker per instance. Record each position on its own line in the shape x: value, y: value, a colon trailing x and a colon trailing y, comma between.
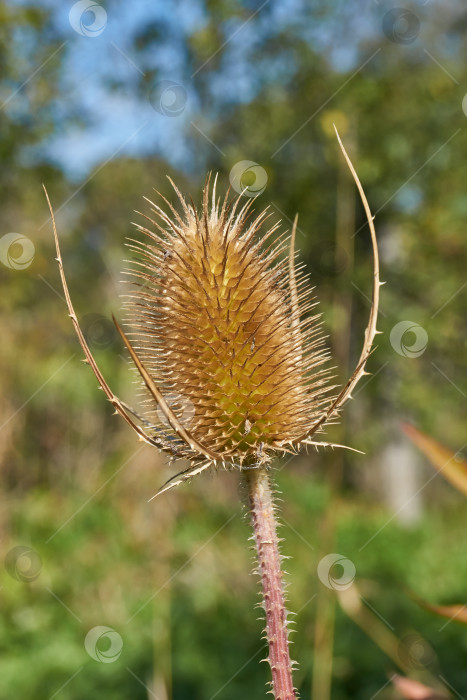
x: 104, y: 594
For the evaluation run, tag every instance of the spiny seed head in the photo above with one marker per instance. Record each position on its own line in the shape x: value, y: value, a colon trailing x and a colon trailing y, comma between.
x: 231, y: 367
x: 221, y: 328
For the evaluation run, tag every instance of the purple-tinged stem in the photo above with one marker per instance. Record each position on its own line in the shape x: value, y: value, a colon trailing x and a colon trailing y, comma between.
x: 269, y: 559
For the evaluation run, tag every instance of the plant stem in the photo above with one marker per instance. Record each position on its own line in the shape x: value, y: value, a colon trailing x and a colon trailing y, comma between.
x: 269, y: 559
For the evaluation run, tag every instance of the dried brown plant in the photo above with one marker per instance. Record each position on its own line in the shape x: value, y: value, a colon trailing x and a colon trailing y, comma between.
x: 220, y: 320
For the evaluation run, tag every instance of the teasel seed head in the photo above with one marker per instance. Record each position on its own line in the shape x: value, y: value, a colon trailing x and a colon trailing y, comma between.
x: 212, y: 319
x: 224, y: 333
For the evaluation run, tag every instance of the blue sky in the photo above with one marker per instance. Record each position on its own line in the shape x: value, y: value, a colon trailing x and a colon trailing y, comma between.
x: 120, y: 123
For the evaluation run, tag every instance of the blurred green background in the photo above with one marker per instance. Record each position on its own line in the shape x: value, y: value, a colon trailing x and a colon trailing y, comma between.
x: 100, y: 102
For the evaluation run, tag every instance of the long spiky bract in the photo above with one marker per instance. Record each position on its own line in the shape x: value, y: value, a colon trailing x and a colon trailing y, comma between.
x: 223, y: 332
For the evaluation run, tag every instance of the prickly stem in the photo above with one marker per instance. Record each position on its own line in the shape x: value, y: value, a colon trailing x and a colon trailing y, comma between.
x: 264, y: 524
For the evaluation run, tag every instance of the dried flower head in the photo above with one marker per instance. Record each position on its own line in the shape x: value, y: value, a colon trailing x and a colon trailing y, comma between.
x: 219, y: 322
x: 214, y: 322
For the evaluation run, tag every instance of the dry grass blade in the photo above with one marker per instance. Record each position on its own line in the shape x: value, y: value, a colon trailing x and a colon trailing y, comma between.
x: 450, y: 464
x: 455, y: 612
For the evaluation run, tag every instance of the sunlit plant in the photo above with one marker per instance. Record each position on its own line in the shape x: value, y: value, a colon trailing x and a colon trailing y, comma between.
x: 220, y: 320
